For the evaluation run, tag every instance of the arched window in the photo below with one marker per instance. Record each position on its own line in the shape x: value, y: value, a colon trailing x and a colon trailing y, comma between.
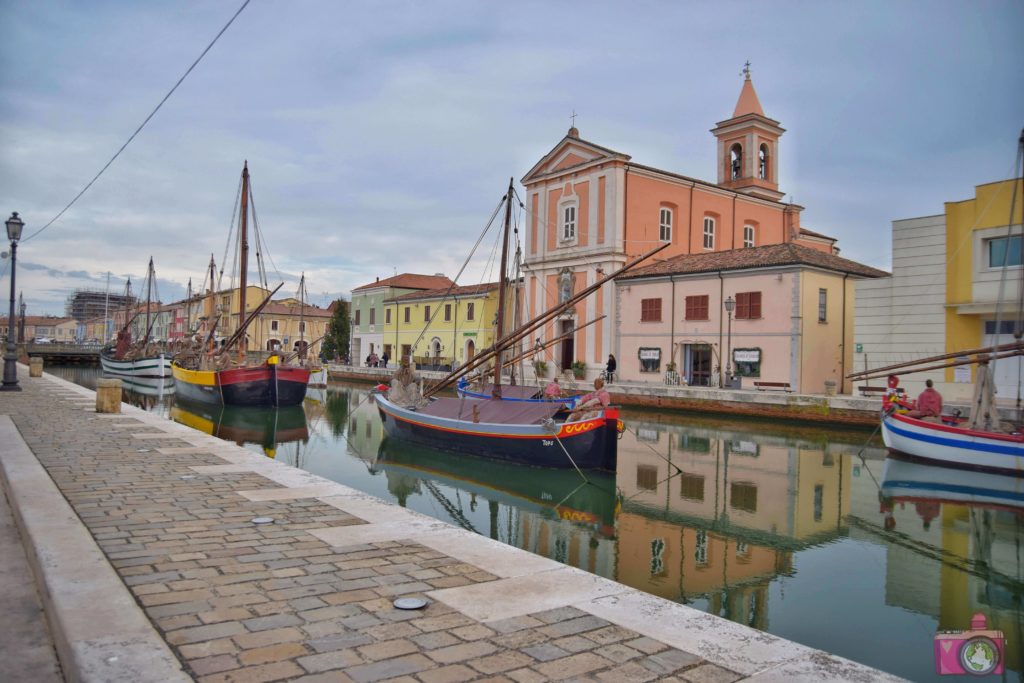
x: 762, y: 162
x: 709, y: 232
x: 748, y: 235
x: 665, y: 225
x: 736, y: 161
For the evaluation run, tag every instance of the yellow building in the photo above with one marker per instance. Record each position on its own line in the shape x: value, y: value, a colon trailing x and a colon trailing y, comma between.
x: 983, y: 274
x: 441, y: 327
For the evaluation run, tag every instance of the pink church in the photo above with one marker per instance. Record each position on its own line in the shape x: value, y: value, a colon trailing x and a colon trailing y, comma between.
x: 591, y: 209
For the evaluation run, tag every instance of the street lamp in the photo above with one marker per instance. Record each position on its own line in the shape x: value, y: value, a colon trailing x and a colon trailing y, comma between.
x: 730, y: 304
x: 14, y: 226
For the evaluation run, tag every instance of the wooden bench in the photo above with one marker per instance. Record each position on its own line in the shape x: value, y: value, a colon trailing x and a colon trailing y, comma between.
x: 762, y: 386
x: 877, y: 391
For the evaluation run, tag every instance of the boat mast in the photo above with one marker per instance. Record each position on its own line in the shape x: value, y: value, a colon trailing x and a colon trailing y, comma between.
x: 208, y: 304
x: 302, y: 311
x: 149, y: 298
x: 106, y: 310
x: 188, y: 310
x: 502, y: 286
x: 243, y: 257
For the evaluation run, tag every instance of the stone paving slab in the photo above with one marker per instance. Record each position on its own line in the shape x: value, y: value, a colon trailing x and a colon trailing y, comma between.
x: 310, y: 595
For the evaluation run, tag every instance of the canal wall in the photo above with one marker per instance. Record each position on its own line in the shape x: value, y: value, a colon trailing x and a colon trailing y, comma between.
x: 173, y: 519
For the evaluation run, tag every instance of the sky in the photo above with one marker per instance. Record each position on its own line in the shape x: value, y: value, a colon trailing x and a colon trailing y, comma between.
x: 380, y: 136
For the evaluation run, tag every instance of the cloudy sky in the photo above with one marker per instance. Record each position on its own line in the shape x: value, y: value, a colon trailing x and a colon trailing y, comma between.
x: 380, y: 135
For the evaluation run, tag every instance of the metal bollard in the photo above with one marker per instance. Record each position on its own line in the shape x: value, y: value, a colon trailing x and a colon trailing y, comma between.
x: 108, y: 395
x: 35, y: 367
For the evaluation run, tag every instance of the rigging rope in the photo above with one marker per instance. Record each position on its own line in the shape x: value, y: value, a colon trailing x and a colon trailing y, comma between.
x: 143, y: 124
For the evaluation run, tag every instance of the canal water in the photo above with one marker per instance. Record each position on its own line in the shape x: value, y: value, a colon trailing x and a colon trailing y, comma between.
x: 807, y: 533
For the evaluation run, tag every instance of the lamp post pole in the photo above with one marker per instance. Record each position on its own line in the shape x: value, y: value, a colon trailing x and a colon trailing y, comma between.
x: 10, y: 383
x: 730, y: 304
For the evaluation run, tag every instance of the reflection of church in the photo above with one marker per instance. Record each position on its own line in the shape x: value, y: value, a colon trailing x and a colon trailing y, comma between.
x: 729, y: 519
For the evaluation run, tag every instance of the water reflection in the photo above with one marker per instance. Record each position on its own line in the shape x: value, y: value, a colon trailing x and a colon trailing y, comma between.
x: 809, y: 534
x: 268, y: 428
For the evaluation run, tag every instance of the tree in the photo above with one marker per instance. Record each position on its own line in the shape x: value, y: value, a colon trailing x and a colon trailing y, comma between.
x: 336, y: 340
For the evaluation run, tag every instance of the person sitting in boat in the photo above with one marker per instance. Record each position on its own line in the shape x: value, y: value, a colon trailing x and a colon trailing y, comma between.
x: 929, y: 403
x: 553, y: 389
x: 591, y: 404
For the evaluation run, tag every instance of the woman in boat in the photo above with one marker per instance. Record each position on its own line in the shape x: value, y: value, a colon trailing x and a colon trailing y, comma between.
x: 553, y: 389
x: 929, y: 403
x: 596, y: 400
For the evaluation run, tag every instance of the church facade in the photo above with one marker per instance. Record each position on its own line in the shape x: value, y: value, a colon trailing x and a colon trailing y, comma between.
x: 592, y: 209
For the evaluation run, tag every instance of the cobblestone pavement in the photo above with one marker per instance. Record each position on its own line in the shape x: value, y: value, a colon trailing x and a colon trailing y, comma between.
x: 239, y: 601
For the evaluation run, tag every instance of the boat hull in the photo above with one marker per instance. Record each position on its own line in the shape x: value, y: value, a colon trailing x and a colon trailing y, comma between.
x: 263, y: 385
x: 150, y: 366
x: 953, y: 445
x: 590, y: 444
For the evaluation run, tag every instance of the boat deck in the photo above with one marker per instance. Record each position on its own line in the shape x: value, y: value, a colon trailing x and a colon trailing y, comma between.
x: 491, y: 411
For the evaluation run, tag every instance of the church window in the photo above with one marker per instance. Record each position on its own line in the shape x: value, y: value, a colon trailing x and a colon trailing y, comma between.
x: 665, y: 223
x: 748, y: 235
x: 569, y: 222
x: 736, y: 161
x: 709, y: 232
x: 762, y: 162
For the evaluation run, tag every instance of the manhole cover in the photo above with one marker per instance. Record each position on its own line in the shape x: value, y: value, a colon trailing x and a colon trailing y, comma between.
x: 410, y: 603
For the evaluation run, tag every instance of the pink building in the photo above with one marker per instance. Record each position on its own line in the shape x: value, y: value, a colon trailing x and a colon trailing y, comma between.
x: 591, y: 209
x: 791, y: 320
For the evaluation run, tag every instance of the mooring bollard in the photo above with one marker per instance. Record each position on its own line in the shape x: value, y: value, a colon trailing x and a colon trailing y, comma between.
x: 35, y: 367
x: 108, y: 396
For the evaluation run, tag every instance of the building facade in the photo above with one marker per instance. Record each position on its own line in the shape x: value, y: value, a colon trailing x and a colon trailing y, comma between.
x: 440, y: 327
x: 591, y: 209
x: 368, y: 310
x: 791, y: 320
x: 955, y: 286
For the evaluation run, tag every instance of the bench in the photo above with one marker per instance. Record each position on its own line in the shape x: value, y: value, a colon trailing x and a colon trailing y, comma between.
x: 762, y: 386
x: 877, y: 391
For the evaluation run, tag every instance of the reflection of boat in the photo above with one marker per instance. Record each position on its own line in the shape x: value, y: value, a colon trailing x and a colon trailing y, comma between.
x: 148, y: 386
x: 559, y: 493
x: 266, y: 427
x: 911, y: 481
x: 211, y: 378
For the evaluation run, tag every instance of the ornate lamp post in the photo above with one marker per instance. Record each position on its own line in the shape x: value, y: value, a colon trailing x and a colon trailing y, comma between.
x: 730, y: 304
x: 21, y: 320
x: 14, y: 226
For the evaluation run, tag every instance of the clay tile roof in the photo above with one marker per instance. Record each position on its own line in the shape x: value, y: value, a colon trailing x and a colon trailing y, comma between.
x: 467, y: 290
x: 409, y: 281
x: 284, y: 309
x: 811, y: 233
x: 751, y: 258
x: 748, y: 102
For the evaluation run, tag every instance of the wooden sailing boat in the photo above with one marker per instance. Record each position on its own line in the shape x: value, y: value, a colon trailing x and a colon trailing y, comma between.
x: 212, y: 376
x: 141, y: 357
x: 539, y: 434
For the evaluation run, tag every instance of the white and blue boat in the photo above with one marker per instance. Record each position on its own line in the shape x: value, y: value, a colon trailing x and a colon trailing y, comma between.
x: 952, y: 442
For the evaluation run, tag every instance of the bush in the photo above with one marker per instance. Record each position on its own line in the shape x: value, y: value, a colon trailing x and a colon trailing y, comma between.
x: 579, y: 369
x: 540, y: 368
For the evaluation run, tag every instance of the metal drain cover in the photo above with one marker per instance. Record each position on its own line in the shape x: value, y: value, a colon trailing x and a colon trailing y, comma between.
x: 410, y: 603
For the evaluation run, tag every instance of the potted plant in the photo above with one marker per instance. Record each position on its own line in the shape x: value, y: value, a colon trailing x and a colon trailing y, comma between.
x: 579, y: 369
x: 540, y: 368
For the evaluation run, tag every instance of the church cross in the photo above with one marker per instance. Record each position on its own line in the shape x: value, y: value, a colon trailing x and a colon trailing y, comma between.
x: 746, y: 70
x: 573, y: 117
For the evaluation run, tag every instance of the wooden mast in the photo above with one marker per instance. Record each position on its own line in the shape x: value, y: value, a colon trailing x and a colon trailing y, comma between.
x: 502, y: 286
x: 149, y: 298
x: 208, y: 302
x: 243, y: 256
x: 302, y: 319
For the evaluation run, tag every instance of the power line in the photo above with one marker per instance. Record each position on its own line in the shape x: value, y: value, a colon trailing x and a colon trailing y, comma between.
x: 143, y: 124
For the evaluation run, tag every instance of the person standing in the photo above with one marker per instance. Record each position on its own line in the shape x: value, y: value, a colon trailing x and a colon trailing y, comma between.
x: 384, y: 357
x: 610, y: 367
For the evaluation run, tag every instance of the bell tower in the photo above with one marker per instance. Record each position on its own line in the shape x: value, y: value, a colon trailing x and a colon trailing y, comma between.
x: 748, y: 147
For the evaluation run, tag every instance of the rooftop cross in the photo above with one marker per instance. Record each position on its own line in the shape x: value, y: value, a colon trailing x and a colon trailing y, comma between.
x: 746, y: 70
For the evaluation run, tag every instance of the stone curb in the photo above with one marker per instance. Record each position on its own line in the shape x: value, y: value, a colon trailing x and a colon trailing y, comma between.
x: 100, y: 632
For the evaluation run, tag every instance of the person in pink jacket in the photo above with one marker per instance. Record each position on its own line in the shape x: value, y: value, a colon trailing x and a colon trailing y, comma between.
x: 929, y: 403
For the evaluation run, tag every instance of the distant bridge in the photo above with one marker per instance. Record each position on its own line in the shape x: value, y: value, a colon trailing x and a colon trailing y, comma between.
x: 63, y: 353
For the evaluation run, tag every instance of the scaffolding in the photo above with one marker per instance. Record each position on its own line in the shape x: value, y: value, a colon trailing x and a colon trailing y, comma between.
x: 88, y: 304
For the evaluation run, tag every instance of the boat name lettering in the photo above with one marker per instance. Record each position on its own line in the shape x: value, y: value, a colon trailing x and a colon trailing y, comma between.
x: 547, y: 442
